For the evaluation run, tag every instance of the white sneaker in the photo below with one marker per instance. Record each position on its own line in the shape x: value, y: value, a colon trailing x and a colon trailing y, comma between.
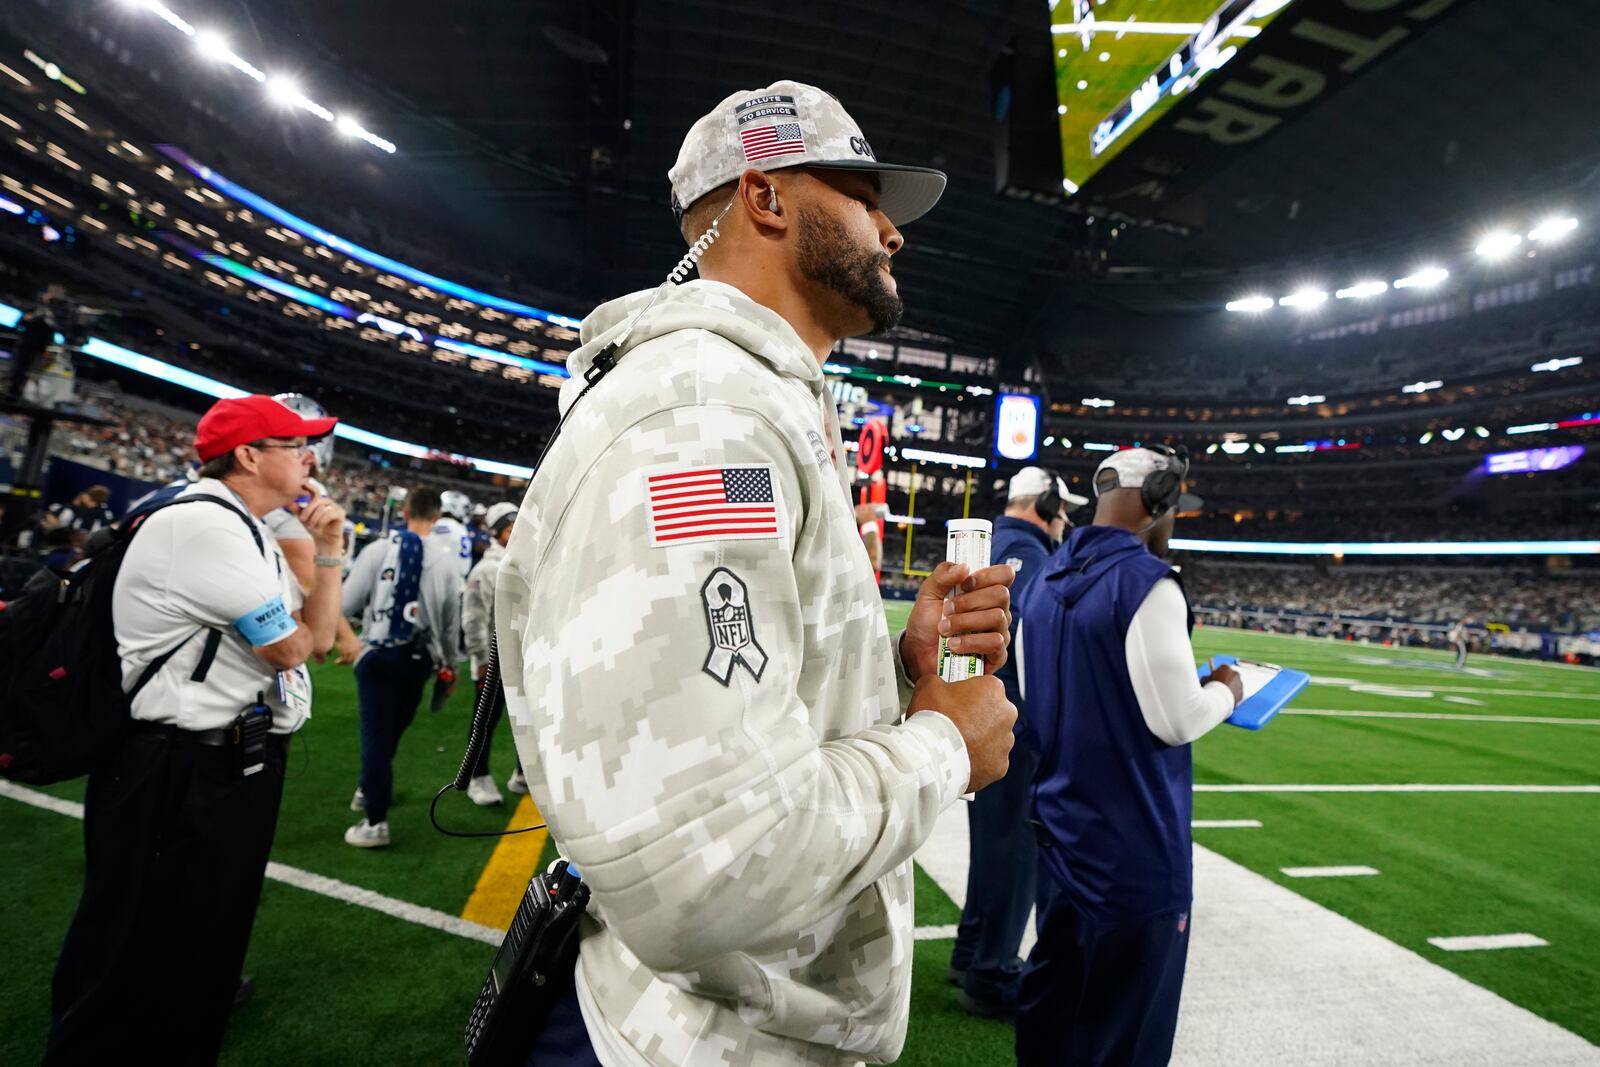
x: 517, y: 783
x: 483, y: 792
x: 359, y: 801
x: 365, y: 835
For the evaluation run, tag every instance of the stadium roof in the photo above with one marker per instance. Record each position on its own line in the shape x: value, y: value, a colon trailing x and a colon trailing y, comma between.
x: 534, y: 136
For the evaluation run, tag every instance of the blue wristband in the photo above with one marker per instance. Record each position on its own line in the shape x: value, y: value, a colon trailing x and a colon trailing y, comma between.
x: 266, y: 624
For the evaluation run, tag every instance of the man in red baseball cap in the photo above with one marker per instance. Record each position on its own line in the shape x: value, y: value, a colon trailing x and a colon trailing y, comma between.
x: 241, y: 419
x: 213, y: 630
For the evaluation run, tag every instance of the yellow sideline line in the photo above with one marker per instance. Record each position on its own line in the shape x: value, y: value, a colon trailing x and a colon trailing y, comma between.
x: 505, y: 877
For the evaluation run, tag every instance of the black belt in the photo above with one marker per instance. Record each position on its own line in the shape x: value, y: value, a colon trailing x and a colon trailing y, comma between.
x: 210, y: 738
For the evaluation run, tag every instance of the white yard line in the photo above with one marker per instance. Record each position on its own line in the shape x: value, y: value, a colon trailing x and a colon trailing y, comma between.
x: 935, y: 933
x: 312, y: 883
x: 1275, y: 979
x: 1413, y: 787
x: 1479, y: 942
x: 1329, y: 872
x: 1343, y: 713
x: 1225, y: 824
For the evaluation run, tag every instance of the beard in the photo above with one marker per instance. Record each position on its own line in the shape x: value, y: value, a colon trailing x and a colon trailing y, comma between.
x: 829, y: 257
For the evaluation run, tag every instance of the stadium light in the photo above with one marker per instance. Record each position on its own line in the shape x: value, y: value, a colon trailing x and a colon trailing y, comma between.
x: 1304, y: 298
x: 1099, y: 446
x: 1497, y: 245
x: 1236, y: 448
x: 1531, y: 427
x: 1307, y: 400
x: 1426, y: 278
x: 348, y: 126
x: 1556, y: 364
x: 1481, y: 431
x: 1552, y: 229
x: 213, y: 45
x: 1391, y: 548
x: 1294, y: 448
x: 1421, y: 387
x: 1048, y: 441
x: 922, y: 455
x: 1425, y: 438
x: 1251, y: 303
x: 1098, y: 402
x: 1363, y: 290
x: 1455, y: 433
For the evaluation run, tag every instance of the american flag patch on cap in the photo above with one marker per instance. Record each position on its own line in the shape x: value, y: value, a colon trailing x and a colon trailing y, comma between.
x: 765, y: 141
x: 713, y: 504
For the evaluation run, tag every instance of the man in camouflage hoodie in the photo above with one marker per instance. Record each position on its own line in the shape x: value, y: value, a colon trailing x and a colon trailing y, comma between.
x: 698, y: 672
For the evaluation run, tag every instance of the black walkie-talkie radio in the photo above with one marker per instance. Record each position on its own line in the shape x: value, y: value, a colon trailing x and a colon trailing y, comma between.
x: 539, y: 952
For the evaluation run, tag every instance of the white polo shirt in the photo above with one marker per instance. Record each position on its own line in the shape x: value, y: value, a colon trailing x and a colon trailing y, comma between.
x: 192, y: 566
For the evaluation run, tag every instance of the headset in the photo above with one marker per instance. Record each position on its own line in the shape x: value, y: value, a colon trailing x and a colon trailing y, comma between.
x: 1161, y: 489
x: 1048, y: 504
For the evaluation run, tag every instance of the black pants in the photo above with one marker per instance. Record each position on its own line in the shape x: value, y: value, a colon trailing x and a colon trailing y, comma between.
x: 389, y: 684
x: 1003, y: 862
x: 175, y: 848
x: 1100, y: 995
x: 564, y: 1041
x: 482, y: 767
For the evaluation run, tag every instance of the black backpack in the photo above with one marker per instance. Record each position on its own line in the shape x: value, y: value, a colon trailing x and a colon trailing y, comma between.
x: 62, y: 708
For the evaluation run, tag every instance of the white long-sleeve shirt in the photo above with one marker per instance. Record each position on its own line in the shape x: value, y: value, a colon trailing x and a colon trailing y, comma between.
x: 1176, y: 707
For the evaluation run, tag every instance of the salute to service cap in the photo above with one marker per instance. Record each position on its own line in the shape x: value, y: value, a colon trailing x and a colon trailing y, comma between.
x: 790, y: 124
x: 243, y: 419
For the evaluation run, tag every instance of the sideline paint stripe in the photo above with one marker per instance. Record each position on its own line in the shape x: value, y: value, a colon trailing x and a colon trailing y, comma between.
x: 935, y: 933
x: 504, y: 879
x: 1412, y: 787
x: 312, y: 883
x: 1329, y: 872
x: 1341, y: 713
x: 1487, y: 941
x: 1225, y: 824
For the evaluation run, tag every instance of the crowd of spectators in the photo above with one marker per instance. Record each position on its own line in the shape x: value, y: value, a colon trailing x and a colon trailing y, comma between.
x: 1520, y: 599
x: 155, y: 444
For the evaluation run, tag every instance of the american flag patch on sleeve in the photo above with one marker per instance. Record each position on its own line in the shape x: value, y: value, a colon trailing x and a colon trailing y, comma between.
x: 713, y: 504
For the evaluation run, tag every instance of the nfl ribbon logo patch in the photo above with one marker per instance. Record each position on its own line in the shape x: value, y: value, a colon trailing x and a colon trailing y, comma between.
x: 733, y: 634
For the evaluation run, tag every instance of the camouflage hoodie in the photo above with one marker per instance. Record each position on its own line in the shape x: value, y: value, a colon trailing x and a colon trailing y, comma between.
x: 705, y: 697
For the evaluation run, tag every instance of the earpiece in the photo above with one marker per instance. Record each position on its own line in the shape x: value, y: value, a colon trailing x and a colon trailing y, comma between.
x: 772, y: 199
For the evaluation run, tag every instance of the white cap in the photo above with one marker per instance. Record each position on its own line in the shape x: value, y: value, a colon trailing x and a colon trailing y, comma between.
x: 498, y: 514
x: 1133, y: 466
x: 1033, y: 481
x: 790, y: 124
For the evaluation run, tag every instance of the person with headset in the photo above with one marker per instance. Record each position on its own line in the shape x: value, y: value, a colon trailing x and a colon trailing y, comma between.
x: 1111, y: 693
x: 1000, y: 874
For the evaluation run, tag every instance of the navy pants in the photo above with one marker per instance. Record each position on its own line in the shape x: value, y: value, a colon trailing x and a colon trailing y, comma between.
x: 1001, y: 873
x: 1096, y: 994
x: 564, y: 1041
x: 389, y: 684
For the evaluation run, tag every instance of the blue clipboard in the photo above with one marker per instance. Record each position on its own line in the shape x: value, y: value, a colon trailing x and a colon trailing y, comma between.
x: 1261, y: 706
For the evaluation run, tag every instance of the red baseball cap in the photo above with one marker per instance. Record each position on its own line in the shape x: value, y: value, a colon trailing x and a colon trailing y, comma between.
x: 242, y: 419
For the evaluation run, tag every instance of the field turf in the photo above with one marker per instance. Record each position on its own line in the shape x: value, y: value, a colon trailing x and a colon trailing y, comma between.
x: 338, y: 983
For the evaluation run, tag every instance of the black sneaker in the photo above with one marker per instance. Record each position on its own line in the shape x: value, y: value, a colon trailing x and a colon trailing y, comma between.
x: 956, y: 976
x: 999, y: 1010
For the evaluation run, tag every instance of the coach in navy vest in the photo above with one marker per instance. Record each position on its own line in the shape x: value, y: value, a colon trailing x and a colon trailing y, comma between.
x: 1112, y: 695
x: 1002, y: 862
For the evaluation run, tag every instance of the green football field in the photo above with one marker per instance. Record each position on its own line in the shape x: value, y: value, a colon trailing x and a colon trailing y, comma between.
x: 342, y: 983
